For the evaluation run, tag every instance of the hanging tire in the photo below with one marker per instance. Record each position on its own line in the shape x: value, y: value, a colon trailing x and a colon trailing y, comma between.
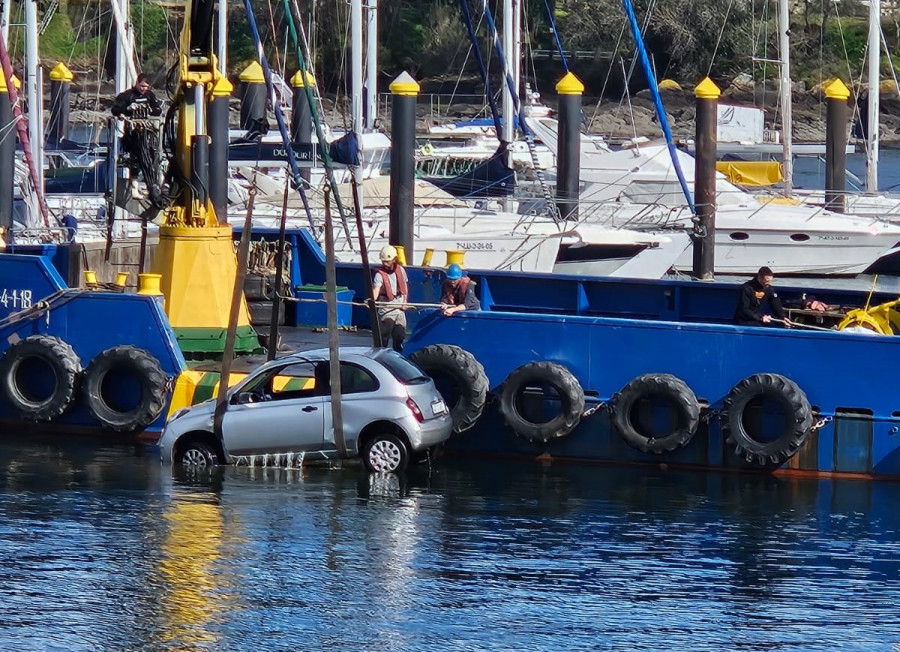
x: 661, y: 387
x: 39, y: 377
x: 753, y: 446
x: 459, y: 378
x: 125, y: 388
x: 542, y: 374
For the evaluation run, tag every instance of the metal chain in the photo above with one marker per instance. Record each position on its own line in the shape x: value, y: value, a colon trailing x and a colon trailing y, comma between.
x: 821, y: 423
x: 590, y: 411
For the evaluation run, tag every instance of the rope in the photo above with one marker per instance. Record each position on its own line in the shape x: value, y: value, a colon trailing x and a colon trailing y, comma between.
x: 482, y: 67
x: 719, y: 38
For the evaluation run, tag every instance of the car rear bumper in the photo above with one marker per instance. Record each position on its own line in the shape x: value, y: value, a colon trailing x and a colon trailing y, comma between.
x: 431, y: 433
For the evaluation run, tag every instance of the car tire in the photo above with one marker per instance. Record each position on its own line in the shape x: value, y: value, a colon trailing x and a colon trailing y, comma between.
x: 385, y: 454
x: 198, y: 455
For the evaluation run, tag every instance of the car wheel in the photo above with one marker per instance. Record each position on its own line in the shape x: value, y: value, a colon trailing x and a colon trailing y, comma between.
x: 198, y: 455
x: 385, y: 454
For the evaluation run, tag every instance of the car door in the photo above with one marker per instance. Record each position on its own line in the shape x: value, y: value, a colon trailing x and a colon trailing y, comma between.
x: 359, y: 403
x: 285, y: 416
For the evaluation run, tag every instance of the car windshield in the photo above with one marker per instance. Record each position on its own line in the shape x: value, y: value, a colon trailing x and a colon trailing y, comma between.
x: 402, y: 369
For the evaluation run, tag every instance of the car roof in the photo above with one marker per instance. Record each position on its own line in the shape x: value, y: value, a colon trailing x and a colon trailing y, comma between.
x: 344, y: 352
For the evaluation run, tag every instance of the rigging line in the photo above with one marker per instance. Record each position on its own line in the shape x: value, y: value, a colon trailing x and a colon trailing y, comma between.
x: 482, y: 66
x: 608, y: 73
x: 628, y: 98
x: 719, y: 39
x: 279, y: 117
x: 657, y: 100
x: 302, y: 60
x: 559, y: 47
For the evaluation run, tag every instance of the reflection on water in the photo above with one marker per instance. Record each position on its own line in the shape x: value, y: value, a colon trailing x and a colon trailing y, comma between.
x: 104, y: 549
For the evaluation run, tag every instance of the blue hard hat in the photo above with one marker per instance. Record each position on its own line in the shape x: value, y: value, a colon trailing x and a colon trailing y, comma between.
x: 454, y: 272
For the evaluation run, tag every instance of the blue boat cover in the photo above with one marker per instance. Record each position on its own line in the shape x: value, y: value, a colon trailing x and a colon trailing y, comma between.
x: 345, y: 150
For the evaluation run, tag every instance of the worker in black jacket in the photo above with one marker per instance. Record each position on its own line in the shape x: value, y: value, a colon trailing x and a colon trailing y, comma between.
x: 138, y: 101
x: 758, y: 303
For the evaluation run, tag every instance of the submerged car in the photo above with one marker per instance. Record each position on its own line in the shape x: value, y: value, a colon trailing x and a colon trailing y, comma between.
x: 281, y: 413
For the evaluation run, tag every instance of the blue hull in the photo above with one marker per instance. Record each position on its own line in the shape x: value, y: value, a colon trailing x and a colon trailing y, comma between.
x: 90, y: 321
x: 847, y: 377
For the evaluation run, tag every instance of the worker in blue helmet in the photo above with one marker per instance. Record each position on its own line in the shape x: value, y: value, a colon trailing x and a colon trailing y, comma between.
x: 458, y: 292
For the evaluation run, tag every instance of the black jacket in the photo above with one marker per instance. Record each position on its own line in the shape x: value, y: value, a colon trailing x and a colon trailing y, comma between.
x: 755, y: 301
x: 124, y: 103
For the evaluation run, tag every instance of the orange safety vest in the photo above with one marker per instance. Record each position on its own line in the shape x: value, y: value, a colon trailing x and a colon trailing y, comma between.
x: 402, y: 289
x: 456, y: 296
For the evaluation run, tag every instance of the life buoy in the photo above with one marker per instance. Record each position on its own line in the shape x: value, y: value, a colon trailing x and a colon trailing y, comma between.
x: 555, y: 376
x: 39, y: 377
x: 125, y: 388
x: 754, y: 447
x: 459, y: 378
x: 659, y: 387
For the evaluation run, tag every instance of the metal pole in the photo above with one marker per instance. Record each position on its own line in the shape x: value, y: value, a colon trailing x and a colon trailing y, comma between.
x: 60, y: 84
x: 7, y: 161
x: 356, y: 89
x: 253, y: 95
x: 33, y: 91
x: 4, y: 19
x: 337, y: 419
x: 217, y: 128
x: 570, y: 90
x: 507, y: 108
x: 278, y: 285
x: 222, y: 37
x: 784, y: 46
x: 707, y: 94
x: 301, y: 115
x: 371, y: 63
x: 405, y: 92
x: 872, y: 143
x: 836, y: 95
x: 237, y: 296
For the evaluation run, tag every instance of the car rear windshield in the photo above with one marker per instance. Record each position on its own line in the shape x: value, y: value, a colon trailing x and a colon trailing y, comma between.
x: 402, y: 369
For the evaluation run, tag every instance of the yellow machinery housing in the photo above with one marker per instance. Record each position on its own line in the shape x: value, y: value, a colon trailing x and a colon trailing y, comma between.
x: 195, y: 255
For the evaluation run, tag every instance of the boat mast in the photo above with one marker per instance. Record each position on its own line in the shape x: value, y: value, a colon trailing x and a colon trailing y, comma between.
x: 4, y: 19
x: 33, y: 92
x: 371, y: 63
x: 874, y: 95
x: 222, y: 38
x: 784, y: 37
x: 510, y: 19
x: 356, y: 90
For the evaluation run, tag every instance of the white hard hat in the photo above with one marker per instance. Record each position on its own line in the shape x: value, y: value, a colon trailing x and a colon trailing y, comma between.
x: 388, y: 253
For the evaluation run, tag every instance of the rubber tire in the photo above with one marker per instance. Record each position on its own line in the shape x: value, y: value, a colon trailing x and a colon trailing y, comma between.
x: 385, y: 443
x: 792, y: 398
x: 468, y: 374
x: 549, y: 373
x: 154, y: 391
x: 56, y: 353
x: 667, y: 386
x: 205, y: 456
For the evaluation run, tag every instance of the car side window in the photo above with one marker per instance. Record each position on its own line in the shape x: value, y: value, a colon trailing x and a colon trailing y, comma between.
x: 356, y: 380
x: 292, y: 381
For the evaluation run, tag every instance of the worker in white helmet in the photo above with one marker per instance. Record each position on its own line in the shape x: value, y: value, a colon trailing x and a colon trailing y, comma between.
x: 391, y: 289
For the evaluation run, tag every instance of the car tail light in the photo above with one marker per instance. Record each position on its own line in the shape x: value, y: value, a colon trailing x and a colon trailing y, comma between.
x: 417, y: 413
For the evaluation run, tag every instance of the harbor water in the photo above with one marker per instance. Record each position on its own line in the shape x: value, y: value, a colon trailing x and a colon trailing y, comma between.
x: 103, y: 549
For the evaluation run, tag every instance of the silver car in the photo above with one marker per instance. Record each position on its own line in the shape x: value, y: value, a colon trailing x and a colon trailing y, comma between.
x: 281, y: 413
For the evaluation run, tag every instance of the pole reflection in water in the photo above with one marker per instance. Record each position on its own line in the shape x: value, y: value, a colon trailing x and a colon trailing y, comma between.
x: 105, y: 550
x: 192, y: 601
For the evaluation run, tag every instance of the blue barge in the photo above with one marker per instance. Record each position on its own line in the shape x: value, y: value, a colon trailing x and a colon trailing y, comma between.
x: 78, y: 360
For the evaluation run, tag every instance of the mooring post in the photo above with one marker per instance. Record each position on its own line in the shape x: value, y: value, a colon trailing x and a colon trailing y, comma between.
x: 7, y: 162
x: 836, y: 94
x: 707, y: 94
x: 570, y: 90
x: 217, y: 128
x: 405, y: 92
x: 301, y: 116
x: 253, y: 95
x: 60, y: 86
